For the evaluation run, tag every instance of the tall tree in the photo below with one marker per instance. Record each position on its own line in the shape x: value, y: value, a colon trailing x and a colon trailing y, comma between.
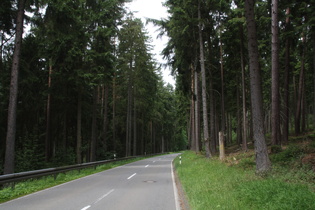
x: 197, y: 111
x: 11, y: 128
x: 203, y: 88
x: 286, y: 93
x: 300, y: 92
x: 263, y: 163
x: 244, y: 141
x: 275, y: 103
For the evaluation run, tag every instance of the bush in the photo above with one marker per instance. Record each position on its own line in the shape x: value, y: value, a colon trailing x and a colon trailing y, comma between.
x: 30, y: 155
x: 64, y: 157
x: 289, y: 154
x: 247, y: 163
x: 276, y: 149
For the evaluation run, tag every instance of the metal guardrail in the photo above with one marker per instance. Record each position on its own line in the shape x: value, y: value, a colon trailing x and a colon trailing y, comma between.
x: 16, y: 177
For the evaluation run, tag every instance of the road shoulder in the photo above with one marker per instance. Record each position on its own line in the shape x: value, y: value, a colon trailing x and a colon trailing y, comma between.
x: 180, y: 191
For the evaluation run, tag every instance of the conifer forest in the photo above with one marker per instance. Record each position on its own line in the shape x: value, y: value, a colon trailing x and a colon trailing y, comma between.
x: 79, y: 82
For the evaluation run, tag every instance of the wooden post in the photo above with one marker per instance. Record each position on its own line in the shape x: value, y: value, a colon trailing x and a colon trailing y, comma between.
x: 221, y: 143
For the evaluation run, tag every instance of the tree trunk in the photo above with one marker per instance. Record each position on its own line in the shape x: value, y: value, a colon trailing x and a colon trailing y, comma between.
x: 48, y: 143
x: 105, y: 118
x: 239, y: 120
x: 222, y: 89
x: 204, y: 93
x: 303, y: 107
x: 197, y: 121
x: 213, y: 132
x: 162, y: 143
x: 263, y: 163
x: 244, y: 141
x: 79, y: 128
x: 192, y: 113
x: 142, y: 147
x: 151, y: 136
x: 94, y: 127
x: 114, y: 113
x: 12, y: 109
x: 300, y: 93
x: 221, y: 143
x: 275, y: 99
x: 134, y: 128
x: 286, y: 116
x: 129, y: 111
x: 314, y: 75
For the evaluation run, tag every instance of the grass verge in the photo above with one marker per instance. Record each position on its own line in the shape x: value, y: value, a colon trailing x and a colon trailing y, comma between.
x: 210, y: 184
x: 34, y: 185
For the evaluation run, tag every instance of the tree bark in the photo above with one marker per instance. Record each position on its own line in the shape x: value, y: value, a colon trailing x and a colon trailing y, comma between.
x: 204, y: 93
x: 197, y: 121
x: 300, y: 93
x: 134, y: 128
x: 48, y: 144
x: 213, y: 136
x: 222, y: 90
x: 94, y: 127
x: 105, y: 118
x: 314, y: 75
x: 286, y: 116
x: 192, y: 112
x: 79, y: 128
x: 244, y: 140
x: 114, y: 113
x: 221, y: 143
x: 239, y: 118
x: 263, y: 163
x: 275, y: 98
x: 12, y: 109
x: 129, y: 111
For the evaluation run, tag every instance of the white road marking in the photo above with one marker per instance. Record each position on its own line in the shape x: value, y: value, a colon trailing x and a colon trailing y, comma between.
x: 147, y: 166
x: 131, y: 176
x: 85, y: 208
x: 153, y: 161
x: 98, y: 200
x: 175, y: 189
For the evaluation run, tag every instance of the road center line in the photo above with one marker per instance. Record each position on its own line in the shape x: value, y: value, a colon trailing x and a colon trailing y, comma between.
x: 131, y: 176
x: 85, y: 208
x: 98, y: 200
x: 147, y: 166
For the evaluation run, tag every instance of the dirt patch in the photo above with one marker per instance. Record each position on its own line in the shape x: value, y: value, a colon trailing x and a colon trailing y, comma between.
x: 309, y: 160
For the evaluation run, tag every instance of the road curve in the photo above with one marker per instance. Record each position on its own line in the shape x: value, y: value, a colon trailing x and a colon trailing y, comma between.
x: 143, y: 185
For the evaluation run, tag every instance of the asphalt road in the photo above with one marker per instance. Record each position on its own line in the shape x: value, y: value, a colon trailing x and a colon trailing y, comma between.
x: 143, y: 185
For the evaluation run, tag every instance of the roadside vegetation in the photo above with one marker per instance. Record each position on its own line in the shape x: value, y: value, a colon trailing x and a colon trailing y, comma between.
x: 233, y: 184
x: 34, y: 185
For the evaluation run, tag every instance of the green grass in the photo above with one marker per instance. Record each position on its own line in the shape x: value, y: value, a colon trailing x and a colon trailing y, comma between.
x: 31, y: 186
x: 210, y: 184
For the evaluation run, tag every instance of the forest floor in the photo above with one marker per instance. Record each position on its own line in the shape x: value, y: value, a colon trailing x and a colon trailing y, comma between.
x: 233, y: 184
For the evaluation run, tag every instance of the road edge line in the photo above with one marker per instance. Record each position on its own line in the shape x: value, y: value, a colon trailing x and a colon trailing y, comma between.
x: 175, y: 188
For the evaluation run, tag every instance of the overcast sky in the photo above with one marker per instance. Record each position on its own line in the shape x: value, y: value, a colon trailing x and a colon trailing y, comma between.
x: 153, y: 9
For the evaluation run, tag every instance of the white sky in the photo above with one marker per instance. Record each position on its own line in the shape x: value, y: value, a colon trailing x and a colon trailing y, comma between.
x: 153, y: 9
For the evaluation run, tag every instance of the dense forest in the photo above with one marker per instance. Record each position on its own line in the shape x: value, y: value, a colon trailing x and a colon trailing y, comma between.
x: 88, y: 87
x: 82, y: 84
